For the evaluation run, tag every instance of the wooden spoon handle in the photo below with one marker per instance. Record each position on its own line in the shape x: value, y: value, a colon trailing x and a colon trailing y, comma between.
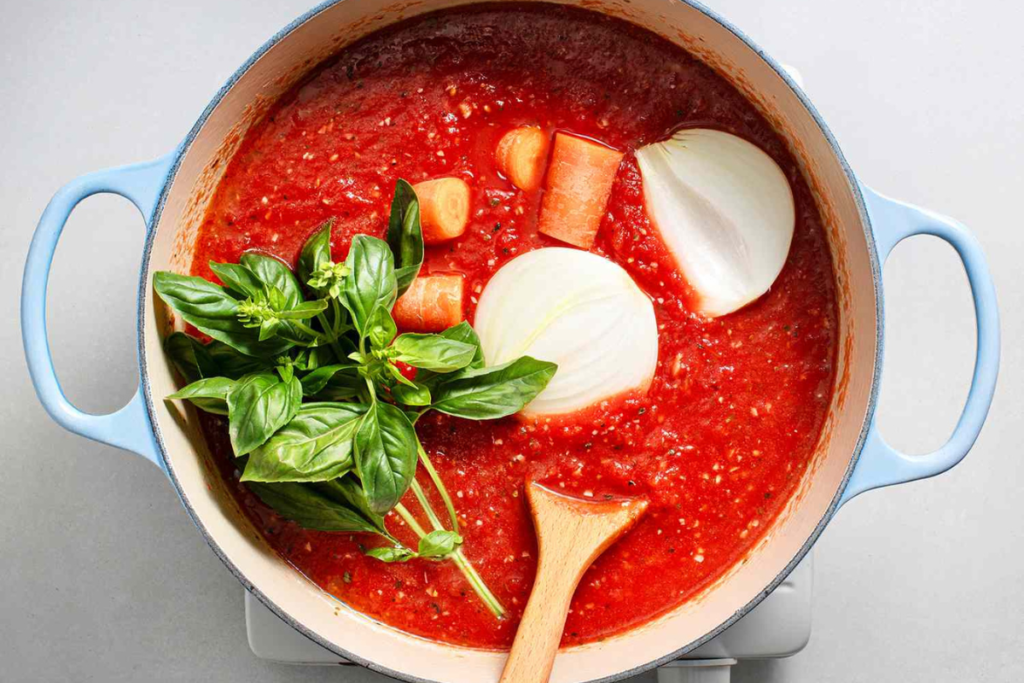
x: 571, y: 534
x: 536, y: 644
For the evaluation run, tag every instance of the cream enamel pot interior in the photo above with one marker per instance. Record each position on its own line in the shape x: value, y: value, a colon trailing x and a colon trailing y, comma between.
x: 173, y: 192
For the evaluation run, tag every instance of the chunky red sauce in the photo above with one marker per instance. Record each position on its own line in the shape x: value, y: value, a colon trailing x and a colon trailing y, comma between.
x: 731, y: 420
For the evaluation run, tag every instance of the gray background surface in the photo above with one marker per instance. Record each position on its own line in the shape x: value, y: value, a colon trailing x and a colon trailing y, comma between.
x: 103, y: 578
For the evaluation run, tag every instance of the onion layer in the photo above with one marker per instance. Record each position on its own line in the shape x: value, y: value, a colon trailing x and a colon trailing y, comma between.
x: 575, y: 309
x: 725, y: 210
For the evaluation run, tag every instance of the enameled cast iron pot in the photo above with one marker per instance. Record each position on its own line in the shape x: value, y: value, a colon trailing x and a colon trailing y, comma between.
x: 172, y: 193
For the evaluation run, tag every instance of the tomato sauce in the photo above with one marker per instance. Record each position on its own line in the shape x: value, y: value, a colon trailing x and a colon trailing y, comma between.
x: 731, y: 420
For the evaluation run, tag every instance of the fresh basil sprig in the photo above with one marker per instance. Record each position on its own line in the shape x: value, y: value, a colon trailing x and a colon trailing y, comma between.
x: 322, y: 394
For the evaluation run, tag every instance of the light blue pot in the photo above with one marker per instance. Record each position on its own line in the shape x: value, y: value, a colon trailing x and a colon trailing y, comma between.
x: 865, y: 226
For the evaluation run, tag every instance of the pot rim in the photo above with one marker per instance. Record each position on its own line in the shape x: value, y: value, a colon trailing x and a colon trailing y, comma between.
x: 281, y: 613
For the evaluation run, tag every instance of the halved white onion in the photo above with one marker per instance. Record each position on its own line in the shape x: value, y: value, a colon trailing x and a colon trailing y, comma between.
x: 578, y: 310
x: 725, y: 210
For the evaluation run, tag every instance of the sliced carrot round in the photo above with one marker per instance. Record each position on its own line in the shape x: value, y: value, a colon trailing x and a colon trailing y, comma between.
x: 522, y: 155
x: 444, y: 208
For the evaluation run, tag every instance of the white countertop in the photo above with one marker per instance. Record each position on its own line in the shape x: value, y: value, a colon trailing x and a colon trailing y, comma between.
x: 103, y: 578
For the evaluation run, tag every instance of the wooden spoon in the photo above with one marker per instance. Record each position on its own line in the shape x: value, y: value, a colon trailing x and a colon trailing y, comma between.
x: 571, y: 534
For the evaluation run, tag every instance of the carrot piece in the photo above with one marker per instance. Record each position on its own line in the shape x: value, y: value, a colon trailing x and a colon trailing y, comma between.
x: 521, y: 155
x: 433, y: 303
x: 579, y: 183
x: 444, y: 208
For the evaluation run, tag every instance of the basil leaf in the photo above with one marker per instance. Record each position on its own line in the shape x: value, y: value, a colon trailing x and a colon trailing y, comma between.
x: 316, y: 252
x: 195, y: 360
x: 301, y: 360
x: 405, y: 236
x: 314, y: 382
x: 439, y: 544
x: 269, y: 328
x: 381, y: 328
x: 196, y: 299
x: 371, y: 282
x: 285, y: 372
x: 214, y: 312
x: 190, y: 356
x: 258, y: 405
x: 340, y: 319
x: 315, y: 446
x: 416, y: 395
x: 463, y: 332
x: 385, y: 455
x: 351, y: 491
x: 313, y: 506
x: 490, y: 393
x: 341, y: 387
x: 228, y: 362
x: 304, y: 310
x: 433, y: 352
x: 274, y: 275
x: 313, y: 357
x: 209, y: 394
x: 397, y: 374
x: 391, y: 554
x: 238, y: 279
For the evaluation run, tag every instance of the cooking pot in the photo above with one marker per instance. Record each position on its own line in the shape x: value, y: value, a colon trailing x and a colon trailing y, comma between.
x: 862, y: 228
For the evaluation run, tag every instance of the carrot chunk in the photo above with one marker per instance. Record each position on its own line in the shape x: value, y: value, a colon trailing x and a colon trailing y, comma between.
x: 444, y: 208
x: 521, y: 155
x: 433, y: 303
x: 579, y: 183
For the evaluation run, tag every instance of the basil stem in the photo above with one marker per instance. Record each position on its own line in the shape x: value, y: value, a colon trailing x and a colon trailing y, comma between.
x: 438, y: 484
x: 404, y: 513
x: 467, y: 569
x: 336, y: 307
x: 332, y: 332
x: 477, y: 583
x: 421, y: 497
x: 307, y: 329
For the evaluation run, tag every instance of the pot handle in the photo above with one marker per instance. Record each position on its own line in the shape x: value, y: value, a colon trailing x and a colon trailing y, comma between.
x: 128, y: 428
x: 880, y: 464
